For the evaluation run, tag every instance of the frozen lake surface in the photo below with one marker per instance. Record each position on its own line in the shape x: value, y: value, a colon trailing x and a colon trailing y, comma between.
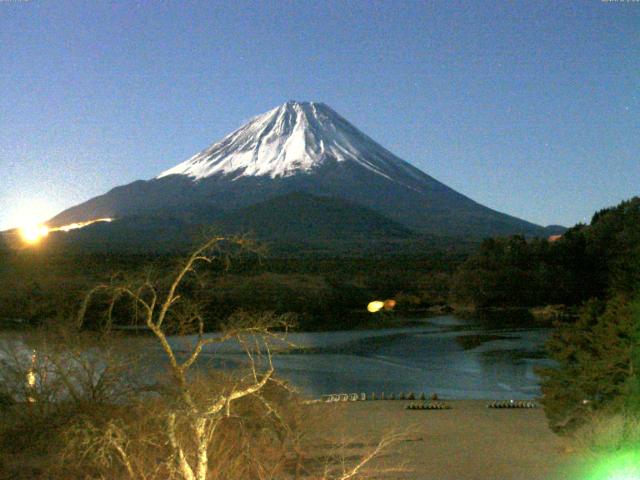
x: 461, y: 359
x: 455, y: 358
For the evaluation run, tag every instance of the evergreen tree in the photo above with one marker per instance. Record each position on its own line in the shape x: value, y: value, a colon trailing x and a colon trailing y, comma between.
x: 598, y: 361
x: 594, y: 261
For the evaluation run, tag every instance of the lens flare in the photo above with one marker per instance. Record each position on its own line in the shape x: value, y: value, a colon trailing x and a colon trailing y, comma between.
x: 623, y: 465
x: 375, y: 306
x: 378, y: 305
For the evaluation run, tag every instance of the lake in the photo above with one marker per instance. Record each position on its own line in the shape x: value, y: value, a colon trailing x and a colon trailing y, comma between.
x: 455, y: 358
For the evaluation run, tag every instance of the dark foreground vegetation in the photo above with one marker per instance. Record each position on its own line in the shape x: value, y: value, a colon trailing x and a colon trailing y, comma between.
x: 325, y: 293
x: 594, y: 390
x: 78, y: 401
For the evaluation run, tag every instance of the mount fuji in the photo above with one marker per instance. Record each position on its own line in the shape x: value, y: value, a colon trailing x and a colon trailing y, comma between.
x: 307, y: 150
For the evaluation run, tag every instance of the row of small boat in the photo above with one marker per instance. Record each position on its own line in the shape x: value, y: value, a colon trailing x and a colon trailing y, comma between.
x: 423, y: 404
x: 512, y: 404
x: 352, y: 397
x: 428, y: 406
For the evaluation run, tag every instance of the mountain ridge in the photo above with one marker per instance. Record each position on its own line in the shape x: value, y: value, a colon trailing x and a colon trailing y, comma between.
x: 303, y: 147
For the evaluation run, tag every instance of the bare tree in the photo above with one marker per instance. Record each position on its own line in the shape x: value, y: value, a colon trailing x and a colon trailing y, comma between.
x: 198, y: 424
x: 201, y: 416
x: 50, y: 366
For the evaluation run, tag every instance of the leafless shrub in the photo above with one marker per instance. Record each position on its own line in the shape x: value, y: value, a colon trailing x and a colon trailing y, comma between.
x: 340, y: 466
x: 48, y: 367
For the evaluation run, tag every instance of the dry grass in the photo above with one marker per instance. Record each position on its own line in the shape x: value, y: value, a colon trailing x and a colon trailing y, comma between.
x: 107, y: 441
x: 608, y: 433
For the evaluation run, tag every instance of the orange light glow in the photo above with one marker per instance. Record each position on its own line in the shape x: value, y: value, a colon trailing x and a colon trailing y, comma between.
x: 378, y: 305
x: 74, y: 226
x: 33, y: 233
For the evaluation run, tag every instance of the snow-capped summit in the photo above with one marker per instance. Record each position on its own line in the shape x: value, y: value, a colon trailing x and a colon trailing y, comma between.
x: 296, y: 137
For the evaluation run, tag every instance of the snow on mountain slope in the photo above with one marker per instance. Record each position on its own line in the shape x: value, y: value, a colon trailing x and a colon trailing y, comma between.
x: 300, y: 147
x: 296, y: 137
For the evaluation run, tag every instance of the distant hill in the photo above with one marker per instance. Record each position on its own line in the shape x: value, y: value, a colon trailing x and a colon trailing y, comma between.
x: 288, y: 223
x: 132, y: 234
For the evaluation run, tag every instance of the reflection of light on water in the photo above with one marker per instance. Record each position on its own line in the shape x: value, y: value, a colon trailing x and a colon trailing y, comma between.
x: 31, y: 377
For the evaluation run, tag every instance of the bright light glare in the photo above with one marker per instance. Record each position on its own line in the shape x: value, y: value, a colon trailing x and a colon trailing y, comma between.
x: 31, y: 379
x: 74, y: 226
x: 389, y: 304
x: 630, y: 473
x: 33, y: 233
x: 378, y: 305
x: 623, y: 465
x: 375, y: 306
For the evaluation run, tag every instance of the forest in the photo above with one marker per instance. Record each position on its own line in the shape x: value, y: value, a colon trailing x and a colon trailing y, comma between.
x: 587, y: 261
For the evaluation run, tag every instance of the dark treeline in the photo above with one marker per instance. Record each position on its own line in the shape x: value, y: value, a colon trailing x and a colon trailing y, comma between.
x: 324, y: 293
x: 588, y: 261
x: 597, y: 354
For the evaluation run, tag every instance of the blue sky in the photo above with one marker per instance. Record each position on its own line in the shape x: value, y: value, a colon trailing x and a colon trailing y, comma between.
x: 531, y: 108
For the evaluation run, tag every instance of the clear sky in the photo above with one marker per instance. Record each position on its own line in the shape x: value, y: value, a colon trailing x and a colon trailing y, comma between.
x: 531, y: 108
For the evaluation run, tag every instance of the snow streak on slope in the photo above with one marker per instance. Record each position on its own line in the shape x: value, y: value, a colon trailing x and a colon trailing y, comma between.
x: 296, y: 137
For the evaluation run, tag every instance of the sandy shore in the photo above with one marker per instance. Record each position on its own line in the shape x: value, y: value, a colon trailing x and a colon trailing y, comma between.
x: 468, y: 442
